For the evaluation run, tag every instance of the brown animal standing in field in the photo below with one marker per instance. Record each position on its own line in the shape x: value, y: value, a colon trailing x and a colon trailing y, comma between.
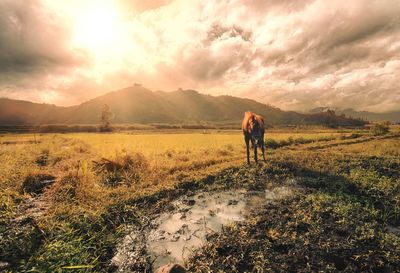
x: 253, y: 127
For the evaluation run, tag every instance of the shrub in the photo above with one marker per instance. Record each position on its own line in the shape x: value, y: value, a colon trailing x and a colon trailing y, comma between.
x: 271, y: 143
x: 66, y: 188
x: 126, y: 169
x: 105, y: 129
x: 379, y: 129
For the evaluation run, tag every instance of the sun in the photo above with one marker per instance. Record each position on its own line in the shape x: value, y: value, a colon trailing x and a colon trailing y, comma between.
x: 98, y: 28
x: 111, y: 37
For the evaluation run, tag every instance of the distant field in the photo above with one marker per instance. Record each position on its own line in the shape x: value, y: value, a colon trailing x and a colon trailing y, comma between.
x: 172, y: 156
x: 154, y: 143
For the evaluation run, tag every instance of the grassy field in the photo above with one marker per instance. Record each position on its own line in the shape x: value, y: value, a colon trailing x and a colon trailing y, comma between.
x: 65, y: 198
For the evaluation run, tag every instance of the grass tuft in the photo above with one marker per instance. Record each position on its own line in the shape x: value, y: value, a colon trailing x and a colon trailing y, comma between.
x: 36, y: 183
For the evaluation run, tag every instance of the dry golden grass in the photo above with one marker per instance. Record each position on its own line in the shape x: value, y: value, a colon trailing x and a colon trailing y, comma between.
x: 97, y: 171
x: 171, y: 158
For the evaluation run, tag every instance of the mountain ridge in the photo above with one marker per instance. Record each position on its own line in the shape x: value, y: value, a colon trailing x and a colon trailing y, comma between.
x: 137, y: 104
x: 392, y: 116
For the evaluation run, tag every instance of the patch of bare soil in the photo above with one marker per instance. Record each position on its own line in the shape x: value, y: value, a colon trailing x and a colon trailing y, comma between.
x: 21, y: 235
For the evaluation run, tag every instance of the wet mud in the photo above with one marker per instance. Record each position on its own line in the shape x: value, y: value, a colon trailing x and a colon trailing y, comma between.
x: 173, y: 236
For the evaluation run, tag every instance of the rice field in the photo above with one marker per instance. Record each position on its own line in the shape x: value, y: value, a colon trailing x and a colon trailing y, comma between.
x: 67, y: 197
x: 157, y: 144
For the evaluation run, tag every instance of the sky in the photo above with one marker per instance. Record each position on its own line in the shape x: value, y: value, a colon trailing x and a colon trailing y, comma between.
x: 292, y: 54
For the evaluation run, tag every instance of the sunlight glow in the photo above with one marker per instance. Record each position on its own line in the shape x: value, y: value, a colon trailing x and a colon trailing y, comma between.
x: 99, y: 29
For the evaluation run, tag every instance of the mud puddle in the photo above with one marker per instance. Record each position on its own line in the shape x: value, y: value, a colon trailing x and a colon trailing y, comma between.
x: 173, y: 236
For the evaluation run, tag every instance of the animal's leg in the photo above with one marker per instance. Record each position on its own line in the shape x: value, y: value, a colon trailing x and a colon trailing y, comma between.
x: 247, y: 140
x: 263, y: 146
x: 255, y: 152
x: 252, y: 142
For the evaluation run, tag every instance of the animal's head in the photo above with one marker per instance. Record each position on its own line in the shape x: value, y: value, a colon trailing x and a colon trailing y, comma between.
x: 253, y: 122
x: 255, y: 129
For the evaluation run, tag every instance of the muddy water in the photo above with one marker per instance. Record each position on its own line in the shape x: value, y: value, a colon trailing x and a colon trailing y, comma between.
x: 175, y: 235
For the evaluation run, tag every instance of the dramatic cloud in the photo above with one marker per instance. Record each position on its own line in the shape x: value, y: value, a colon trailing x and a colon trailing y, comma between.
x: 292, y: 54
x: 31, y: 40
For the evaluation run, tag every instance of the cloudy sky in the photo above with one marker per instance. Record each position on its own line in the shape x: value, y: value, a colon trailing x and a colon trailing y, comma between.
x: 296, y: 55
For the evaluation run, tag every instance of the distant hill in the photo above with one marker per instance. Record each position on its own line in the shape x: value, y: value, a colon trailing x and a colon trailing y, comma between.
x: 393, y: 116
x: 139, y: 105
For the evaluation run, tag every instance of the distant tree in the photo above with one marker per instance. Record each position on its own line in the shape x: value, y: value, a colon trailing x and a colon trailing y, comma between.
x: 106, y: 116
x: 331, y: 112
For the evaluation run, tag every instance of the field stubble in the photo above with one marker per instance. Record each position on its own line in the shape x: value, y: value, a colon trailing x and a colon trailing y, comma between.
x: 103, y: 181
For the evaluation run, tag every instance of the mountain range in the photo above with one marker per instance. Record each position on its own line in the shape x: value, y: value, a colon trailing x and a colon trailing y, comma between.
x: 137, y: 104
x: 393, y: 116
